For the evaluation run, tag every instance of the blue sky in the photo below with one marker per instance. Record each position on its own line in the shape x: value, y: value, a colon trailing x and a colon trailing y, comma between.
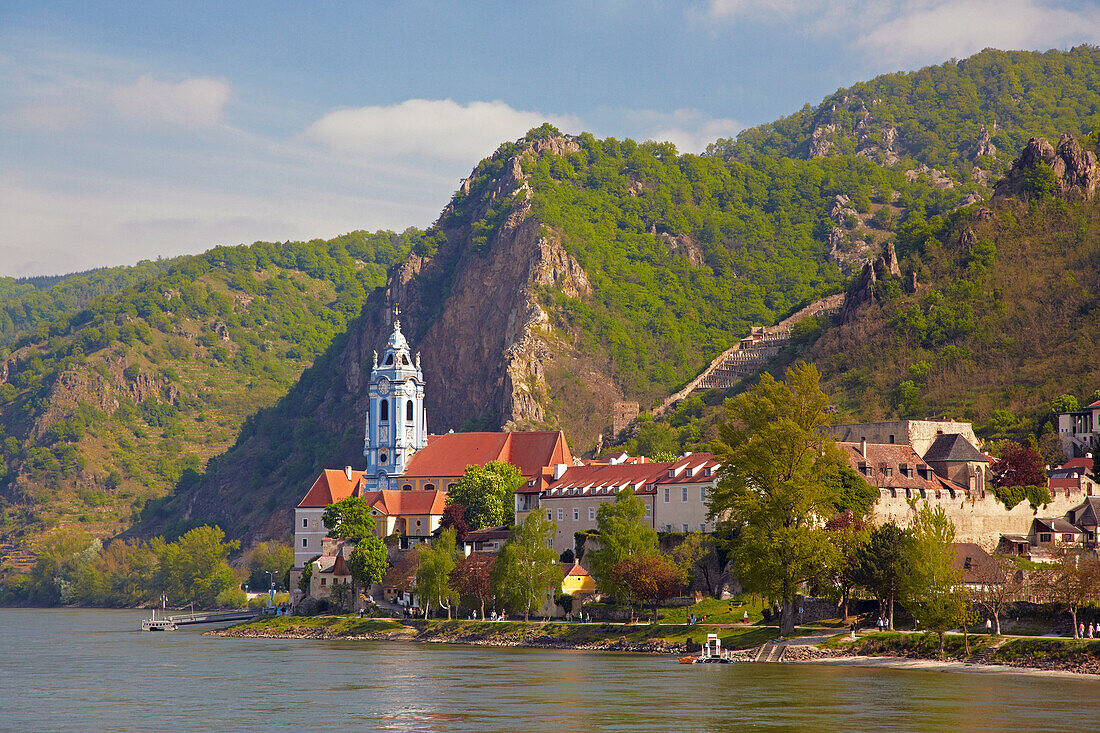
x: 136, y: 130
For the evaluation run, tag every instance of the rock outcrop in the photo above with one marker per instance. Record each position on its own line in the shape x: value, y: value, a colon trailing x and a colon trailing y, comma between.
x: 863, y: 292
x: 1075, y: 169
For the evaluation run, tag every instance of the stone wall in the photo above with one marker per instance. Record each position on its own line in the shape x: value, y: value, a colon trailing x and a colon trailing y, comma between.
x: 918, y: 433
x: 622, y: 414
x: 981, y: 519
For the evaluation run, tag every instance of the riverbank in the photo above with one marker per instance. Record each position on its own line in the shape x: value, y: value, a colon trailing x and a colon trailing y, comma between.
x: 1073, y: 656
x: 646, y: 638
x: 891, y: 649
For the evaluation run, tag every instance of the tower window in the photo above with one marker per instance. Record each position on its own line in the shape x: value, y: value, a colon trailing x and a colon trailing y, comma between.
x: 389, y: 360
x: 382, y: 457
x: 409, y: 411
x: 384, y: 410
x: 404, y: 360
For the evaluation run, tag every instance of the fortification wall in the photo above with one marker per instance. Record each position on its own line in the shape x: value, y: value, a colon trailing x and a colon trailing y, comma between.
x: 981, y: 520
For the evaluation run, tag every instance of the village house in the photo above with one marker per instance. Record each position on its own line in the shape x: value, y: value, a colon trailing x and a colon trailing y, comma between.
x: 1078, y: 430
x: 898, y: 472
x: 489, y: 539
x: 674, y: 493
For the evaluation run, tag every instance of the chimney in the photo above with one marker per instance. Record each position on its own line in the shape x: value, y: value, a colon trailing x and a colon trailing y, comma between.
x: 347, y: 472
x: 559, y: 470
x: 863, y: 447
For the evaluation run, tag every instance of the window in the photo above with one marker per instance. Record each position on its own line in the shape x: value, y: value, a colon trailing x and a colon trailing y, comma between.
x: 305, y: 522
x: 685, y: 529
x: 1044, y: 537
x: 561, y: 514
x: 430, y: 487
x: 891, y: 440
x: 668, y: 527
x: 382, y: 456
x: 576, y: 514
x: 1067, y: 537
x: 305, y: 542
x: 684, y: 494
x: 591, y: 514
x: 404, y: 360
x: 549, y: 517
x: 408, y: 411
x: 389, y: 360
x: 384, y: 410
x: 322, y: 581
x: 968, y: 563
x: 667, y: 493
x: 702, y: 526
x: 407, y: 487
x: 703, y: 494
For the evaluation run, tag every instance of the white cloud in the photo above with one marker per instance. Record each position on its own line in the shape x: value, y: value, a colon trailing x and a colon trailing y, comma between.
x: 923, y: 31
x: 426, y: 128
x: 946, y: 29
x: 196, y: 102
x: 690, y: 130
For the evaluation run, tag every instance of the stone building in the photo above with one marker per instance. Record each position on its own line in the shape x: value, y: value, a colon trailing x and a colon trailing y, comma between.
x: 920, y: 434
x: 1078, y: 430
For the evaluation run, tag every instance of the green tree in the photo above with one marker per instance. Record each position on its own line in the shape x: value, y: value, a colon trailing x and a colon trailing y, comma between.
x: 435, y: 561
x: 622, y: 533
x: 195, y: 567
x: 269, y: 557
x: 472, y: 578
x: 930, y: 587
x: 526, y: 572
x: 367, y: 562
x: 776, y: 453
x: 349, y: 518
x: 1064, y: 403
x: 487, y: 493
x: 849, y: 533
x: 878, y: 567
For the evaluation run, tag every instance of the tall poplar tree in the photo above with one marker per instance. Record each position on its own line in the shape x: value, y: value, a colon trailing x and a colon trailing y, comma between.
x: 526, y: 571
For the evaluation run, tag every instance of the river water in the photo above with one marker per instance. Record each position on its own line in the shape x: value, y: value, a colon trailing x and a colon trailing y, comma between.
x: 91, y: 670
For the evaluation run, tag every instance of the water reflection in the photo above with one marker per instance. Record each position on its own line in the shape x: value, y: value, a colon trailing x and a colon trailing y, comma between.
x: 87, y: 670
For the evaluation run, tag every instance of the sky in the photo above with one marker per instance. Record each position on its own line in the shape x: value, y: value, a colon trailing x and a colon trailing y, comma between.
x: 132, y: 131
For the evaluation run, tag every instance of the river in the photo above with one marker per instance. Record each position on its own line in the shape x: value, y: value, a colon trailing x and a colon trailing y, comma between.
x: 91, y: 670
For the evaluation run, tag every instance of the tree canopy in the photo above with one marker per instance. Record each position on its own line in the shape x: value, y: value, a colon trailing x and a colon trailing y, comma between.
x: 526, y: 572
x: 487, y: 493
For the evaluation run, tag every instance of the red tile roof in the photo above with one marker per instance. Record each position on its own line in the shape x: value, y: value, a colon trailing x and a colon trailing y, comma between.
x: 1085, y: 463
x: 577, y: 569
x: 882, y: 456
x: 696, y: 463
x: 330, y: 487
x: 394, y: 503
x: 585, y: 479
x: 449, y: 455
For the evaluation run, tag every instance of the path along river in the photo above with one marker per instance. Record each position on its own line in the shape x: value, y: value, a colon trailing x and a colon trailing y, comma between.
x: 91, y: 670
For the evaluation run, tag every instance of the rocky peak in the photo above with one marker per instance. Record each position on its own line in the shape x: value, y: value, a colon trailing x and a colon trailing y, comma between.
x: 863, y: 291
x: 1075, y: 169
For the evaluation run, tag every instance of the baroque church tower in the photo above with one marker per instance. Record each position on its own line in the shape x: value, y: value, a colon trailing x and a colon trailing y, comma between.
x: 396, y: 425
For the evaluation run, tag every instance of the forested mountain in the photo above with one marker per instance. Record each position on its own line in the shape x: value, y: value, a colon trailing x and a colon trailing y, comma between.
x: 119, y: 402
x: 567, y: 273
x: 28, y: 303
x: 975, y: 112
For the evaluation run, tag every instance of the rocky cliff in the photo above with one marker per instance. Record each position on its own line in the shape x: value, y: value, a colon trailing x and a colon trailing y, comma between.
x: 472, y: 310
x: 1074, y: 170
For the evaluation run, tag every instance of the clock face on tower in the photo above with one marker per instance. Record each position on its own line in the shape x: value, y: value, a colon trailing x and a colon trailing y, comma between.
x: 383, y: 386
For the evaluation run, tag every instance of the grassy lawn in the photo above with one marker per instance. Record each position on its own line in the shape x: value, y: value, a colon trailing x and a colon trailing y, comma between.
x: 715, y: 611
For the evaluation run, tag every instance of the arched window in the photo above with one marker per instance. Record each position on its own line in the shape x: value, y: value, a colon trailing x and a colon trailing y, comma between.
x: 409, y: 411
x: 407, y: 487
x: 384, y: 410
x: 429, y: 487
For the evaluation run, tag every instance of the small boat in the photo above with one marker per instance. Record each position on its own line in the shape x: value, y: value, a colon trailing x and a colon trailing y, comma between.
x: 688, y: 660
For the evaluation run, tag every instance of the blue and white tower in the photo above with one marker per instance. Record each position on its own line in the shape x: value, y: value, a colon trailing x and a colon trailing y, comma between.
x: 396, y: 422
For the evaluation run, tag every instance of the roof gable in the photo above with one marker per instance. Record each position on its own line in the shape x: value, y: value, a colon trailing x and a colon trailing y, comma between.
x: 954, y: 447
x: 330, y: 487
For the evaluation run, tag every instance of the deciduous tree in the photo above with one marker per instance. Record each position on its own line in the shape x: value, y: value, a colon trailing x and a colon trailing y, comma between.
x: 931, y: 588
x: 776, y: 452
x: 526, y: 572
x: 1072, y: 582
x: 878, y: 567
x: 849, y: 533
x: 435, y: 561
x: 487, y: 493
x: 1000, y: 583
x: 471, y: 577
x: 349, y: 518
x: 651, y: 578
x: 368, y: 563
x: 623, y: 534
